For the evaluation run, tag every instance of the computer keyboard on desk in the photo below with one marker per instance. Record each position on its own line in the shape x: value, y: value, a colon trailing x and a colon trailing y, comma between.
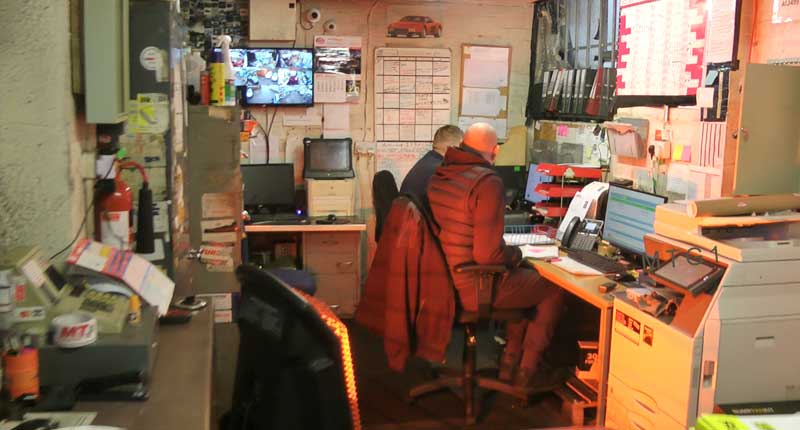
x: 278, y: 219
x: 595, y: 261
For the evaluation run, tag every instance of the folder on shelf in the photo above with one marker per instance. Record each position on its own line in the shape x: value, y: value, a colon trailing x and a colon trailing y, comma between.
x: 593, y: 100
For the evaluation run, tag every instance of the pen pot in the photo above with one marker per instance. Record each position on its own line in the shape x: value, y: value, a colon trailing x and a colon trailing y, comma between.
x: 21, y: 372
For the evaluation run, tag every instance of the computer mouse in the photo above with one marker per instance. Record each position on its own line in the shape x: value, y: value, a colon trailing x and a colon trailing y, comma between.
x: 332, y: 217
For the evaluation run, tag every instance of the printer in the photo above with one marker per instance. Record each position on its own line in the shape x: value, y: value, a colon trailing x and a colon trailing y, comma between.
x: 731, y: 339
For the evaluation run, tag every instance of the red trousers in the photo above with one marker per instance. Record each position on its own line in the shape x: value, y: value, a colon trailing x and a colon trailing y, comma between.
x: 524, y: 288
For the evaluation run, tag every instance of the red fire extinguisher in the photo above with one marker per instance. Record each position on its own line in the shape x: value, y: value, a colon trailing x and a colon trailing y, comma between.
x: 114, y: 211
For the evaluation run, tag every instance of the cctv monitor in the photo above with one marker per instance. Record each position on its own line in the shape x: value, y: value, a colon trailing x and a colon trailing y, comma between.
x: 630, y: 215
x: 274, y: 76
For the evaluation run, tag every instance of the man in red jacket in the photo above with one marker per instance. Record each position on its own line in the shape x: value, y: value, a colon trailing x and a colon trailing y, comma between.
x: 467, y: 201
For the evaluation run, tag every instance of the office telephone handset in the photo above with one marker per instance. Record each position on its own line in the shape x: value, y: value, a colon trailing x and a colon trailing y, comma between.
x: 582, y: 234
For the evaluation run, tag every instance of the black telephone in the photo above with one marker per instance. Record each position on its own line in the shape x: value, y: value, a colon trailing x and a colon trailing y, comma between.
x: 582, y: 234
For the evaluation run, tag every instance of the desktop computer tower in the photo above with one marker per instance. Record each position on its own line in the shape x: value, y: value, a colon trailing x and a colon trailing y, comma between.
x: 327, y: 197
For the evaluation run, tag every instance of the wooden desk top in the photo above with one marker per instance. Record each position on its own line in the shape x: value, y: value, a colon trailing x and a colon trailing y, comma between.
x: 354, y: 225
x: 585, y: 287
x: 180, y: 390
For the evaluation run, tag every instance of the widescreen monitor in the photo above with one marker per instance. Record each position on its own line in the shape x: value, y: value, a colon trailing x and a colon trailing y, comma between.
x: 630, y: 215
x: 269, y: 186
x: 274, y: 76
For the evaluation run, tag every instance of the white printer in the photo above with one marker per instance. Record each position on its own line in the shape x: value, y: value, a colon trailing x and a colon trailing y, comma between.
x: 732, y: 339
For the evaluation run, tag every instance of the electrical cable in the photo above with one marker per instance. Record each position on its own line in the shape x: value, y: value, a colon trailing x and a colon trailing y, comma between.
x: 85, y: 217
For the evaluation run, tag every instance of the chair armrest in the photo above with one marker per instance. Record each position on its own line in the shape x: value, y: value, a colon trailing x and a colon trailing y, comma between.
x: 487, y: 268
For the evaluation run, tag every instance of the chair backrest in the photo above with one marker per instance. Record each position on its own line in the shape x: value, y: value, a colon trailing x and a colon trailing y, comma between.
x: 384, y: 191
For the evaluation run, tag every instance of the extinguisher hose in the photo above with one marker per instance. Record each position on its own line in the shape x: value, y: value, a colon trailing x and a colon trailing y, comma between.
x: 137, y: 166
x: 145, y: 239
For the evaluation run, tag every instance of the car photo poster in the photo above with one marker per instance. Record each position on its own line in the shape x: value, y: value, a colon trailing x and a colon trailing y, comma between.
x: 417, y: 23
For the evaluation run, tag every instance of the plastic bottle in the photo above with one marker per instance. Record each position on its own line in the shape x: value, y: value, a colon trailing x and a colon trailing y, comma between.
x: 195, y: 65
x: 228, y: 73
x: 216, y: 75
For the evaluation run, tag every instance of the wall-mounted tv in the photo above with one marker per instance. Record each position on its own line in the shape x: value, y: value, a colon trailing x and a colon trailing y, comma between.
x: 275, y: 76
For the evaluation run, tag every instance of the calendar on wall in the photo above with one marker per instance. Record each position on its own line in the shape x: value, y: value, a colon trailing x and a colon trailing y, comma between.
x: 412, y: 100
x: 661, y: 47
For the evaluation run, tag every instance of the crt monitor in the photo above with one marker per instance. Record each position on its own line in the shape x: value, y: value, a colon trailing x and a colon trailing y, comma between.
x: 274, y: 76
x: 535, y: 178
x: 328, y: 158
x: 630, y: 215
x: 268, y: 186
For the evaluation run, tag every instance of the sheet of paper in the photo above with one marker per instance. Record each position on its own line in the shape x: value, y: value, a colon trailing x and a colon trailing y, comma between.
x: 678, y: 178
x: 64, y: 419
x: 399, y: 157
x: 302, y: 117
x: 336, y: 120
x: 720, y: 31
x: 539, y: 251
x: 220, y: 205
x: 486, y: 66
x: 500, y: 125
x: 705, y: 97
x: 574, y: 267
x: 481, y: 102
x: 330, y: 88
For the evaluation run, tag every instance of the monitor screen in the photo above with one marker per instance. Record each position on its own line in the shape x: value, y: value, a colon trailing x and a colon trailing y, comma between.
x: 268, y: 185
x: 535, y: 178
x: 513, y: 180
x: 275, y: 76
x: 328, y: 158
x: 629, y: 216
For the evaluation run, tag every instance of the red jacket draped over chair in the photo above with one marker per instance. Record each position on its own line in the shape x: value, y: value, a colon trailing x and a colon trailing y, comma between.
x: 408, y: 298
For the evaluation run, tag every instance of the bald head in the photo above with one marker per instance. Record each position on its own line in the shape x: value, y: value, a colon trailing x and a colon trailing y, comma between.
x: 482, y: 138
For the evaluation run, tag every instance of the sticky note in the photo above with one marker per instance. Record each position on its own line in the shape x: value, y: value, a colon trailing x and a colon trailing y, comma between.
x: 562, y: 131
x: 677, y: 152
x: 686, y: 153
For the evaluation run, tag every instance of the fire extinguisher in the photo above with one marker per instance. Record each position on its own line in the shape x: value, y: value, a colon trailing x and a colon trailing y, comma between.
x: 114, y: 211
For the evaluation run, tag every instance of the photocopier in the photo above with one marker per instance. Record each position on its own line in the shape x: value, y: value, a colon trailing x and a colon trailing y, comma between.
x: 728, y: 335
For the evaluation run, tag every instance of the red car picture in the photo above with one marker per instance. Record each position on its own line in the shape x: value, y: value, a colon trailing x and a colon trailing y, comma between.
x: 420, y: 26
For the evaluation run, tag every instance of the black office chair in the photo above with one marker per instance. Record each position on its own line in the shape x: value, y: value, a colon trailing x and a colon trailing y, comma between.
x: 384, y: 191
x: 468, y: 378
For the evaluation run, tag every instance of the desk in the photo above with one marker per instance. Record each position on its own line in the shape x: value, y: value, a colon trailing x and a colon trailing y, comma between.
x: 586, y: 289
x: 180, y: 388
x: 332, y: 253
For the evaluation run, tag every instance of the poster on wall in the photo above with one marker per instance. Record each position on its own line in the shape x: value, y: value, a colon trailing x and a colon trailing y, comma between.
x: 414, y: 22
x: 338, y: 59
x: 661, y: 47
x: 785, y: 11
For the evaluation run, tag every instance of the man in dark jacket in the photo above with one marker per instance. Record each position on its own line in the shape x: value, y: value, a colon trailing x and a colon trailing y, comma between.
x: 416, y: 181
x: 466, y: 199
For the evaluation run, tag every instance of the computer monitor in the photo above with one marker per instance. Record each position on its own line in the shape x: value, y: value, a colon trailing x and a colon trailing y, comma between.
x: 274, y: 76
x: 513, y: 180
x: 629, y: 216
x: 268, y: 186
x: 328, y: 158
x: 535, y: 178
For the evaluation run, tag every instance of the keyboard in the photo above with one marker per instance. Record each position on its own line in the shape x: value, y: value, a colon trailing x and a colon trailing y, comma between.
x: 278, y: 219
x: 519, y: 239
x: 595, y: 261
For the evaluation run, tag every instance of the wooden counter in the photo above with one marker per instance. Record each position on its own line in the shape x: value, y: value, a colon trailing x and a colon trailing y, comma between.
x: 180, y: 389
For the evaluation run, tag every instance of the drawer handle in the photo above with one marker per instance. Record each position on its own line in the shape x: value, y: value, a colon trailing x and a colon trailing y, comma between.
x: 330, y: 242
x: 344, y: 264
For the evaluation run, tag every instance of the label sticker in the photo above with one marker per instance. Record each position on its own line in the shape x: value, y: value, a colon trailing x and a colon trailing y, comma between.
x: 627, y: 326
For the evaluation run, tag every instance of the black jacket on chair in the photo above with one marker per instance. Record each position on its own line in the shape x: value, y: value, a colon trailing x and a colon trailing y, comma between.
x: 384, y: 191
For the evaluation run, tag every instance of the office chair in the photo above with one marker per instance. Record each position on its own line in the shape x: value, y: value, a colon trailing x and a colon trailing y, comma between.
x: 468, y: 379
x: 384, y: 191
